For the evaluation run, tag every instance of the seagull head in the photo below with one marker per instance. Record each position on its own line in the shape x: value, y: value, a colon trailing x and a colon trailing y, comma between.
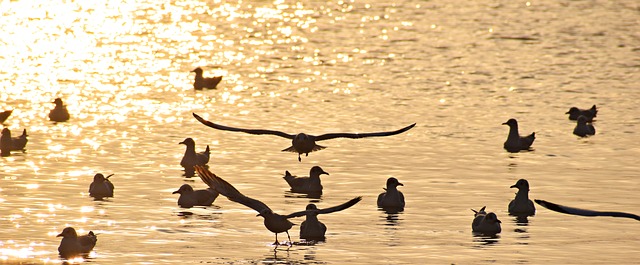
x: 198, y: 71
x: 492, y: 218
x: 68, y: 232
x: 183, y: 188
x: 522, y: 184
x: 98, y: 178
x: 317, y: 171
x: 511, y: 122
x: 393, y: 182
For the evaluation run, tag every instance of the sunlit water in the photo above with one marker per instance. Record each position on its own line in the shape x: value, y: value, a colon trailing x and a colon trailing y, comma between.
x: 457, y: 68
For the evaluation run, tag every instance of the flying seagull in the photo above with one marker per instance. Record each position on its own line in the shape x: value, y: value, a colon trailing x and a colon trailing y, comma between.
x: 302, y: 143
x: 583, y: 212
x: 276, y: 223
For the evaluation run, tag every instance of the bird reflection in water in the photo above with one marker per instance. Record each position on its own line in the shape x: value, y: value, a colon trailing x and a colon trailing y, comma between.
x: 392, y: 216
x: 485, y: 240
x: 314, y: 197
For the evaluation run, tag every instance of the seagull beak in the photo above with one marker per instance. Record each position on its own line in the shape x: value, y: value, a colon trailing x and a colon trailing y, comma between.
x: 324, y: 173
x: 504, y: 123
x: 567, y: 112
x: 513, y: 186
x: 175, y: 192
x: 258, y: 214
x: 181, y: 142
x: 59, y: 235
x: 498, y: 221
x: 400, y: 184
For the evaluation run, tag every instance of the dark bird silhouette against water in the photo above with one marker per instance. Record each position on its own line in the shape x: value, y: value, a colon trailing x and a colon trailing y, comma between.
x: 191, y: 158
x: 59, y: 113
x: 5, y: 115
x: 515, y: 142
x: 274, y: 222
x: 189, y: 197
x: 73, y: 245
x: 392, y: 198
x: 312, y: 228
x: 583, y: 212
x: 20, y: 142
x: 589, y: 114
x: 583, y: 129
x: 101, y: 187
x: 485, y: 223
x: 6, y: 142
x: 201, y: 82
x: 302, y: 143
x: 310, y: 184
x: 522, y: 205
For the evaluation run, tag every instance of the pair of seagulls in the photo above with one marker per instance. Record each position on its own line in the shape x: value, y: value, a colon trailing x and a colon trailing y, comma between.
x: 8, y: 143
x: 488, y: 223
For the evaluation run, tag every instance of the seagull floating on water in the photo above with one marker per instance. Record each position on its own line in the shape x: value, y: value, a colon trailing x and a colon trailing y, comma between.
x: 515, y: 142
x: 5, y: 115
x: 310, y: 184
x: 191, y: 158
x: 201, y: 82
x: 485, y: 223
x: 589, y: 114
x: 583, y: 129
x: 101, y: 187
x: 521, y: 205
x: 6, y: 142
x: 73, y: 245
x: 302, y: 143
x: 311, y: 228
x: 189, y: 197
x: 584, y: 212
x: 391, y: 198
x: 20, y: 142
x: 59, y: 113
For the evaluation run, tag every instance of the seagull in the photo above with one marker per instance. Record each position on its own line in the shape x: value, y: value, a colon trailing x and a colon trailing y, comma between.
x: 101, y: 187
x: 583, y: 129
x: 302, y: 143
x: 191, y: 158
x: 20, y: 142
x: 274, y: 222
x: 6, y: 142
x: 521, y: 205
x: 60, y: 112
x: 201, y: 82
x: 189, y: 197
x: 5, y: 115
x: 515, y: 142
x: 575, y: 113
x: 73, y: 245
x: 311, y: 228
x: 485, y: 223
x: 391, y: 198
x: 310, y: 184
x: 583, y: 212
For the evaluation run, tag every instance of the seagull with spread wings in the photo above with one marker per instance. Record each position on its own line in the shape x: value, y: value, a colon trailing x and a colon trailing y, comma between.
x: 276, y: 223
x: 302, y: 143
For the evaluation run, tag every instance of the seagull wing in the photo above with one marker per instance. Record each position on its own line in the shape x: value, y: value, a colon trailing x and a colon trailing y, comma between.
x: 583, y: 212
x: 250, y: 131
x: 340, y: 207
x: 223, y: 187
x: 361, y: 135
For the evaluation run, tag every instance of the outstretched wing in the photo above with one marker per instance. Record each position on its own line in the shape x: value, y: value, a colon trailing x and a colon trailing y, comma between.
x: 361, y: 135
x: 250, y: 131
x: 340, y: 207
x: 223, y: 187
x: 583, y: 212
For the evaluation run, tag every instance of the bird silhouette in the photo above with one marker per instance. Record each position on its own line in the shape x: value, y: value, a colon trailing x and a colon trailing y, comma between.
x: 73, y: 245
x: 521, y: 205
x: 310, y: 184
x: 18, y: 143
x: 101, y: 187
x: 392, y: 198
x: 5, y: 115
x: 189, y: 197
x: 302, y: 143
x: 485, y: 223
x: 583, y: 129
x: 312, y: 228
x: 59, y: 113
x: 589, y: 114
x: 515, y: 142
x: 201, y: 82
x: 191, y: 158
x: 584, y: 212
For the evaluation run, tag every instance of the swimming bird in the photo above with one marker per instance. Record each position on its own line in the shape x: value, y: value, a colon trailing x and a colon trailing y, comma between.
x: 101, y: 187
x: 485, y: 223
x: 583, y: 129
x: 5, y: 115
x: 575, y: 113
x: 308, y: 184
x: 392, y: 198
x: 274, y: 222
x: 20, y: 142
x: 73, y: 245
x: 60, y: 112
x: 191, y: 158
x: 521, y: 205
x: 311, y: 228
x: 583, y: 212
x: 6, y: 142
x: 189, y: 197
x: 201, y: 82
x: 515, y: 142
x: 302, y: 143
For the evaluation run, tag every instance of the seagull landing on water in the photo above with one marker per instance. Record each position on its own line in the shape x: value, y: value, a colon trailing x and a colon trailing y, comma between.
x: 274, y: 222
x: 584, y: 212
x: 302, y: 143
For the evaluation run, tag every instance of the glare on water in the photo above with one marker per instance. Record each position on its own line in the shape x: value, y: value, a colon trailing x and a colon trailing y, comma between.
x: 458, y: 69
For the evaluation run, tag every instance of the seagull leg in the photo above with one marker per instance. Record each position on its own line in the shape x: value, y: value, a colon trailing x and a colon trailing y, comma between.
x: 276, y: 243
x: 290, y: 243
x: 299, y: 159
